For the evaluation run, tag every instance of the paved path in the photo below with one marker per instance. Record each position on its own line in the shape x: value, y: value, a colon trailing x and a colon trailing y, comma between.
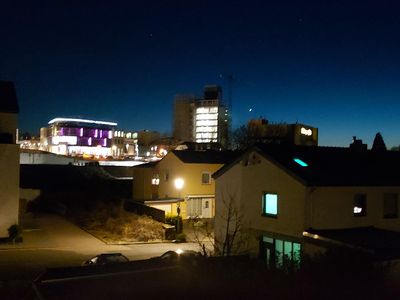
x: 52, y: 241
x: 52, y: 231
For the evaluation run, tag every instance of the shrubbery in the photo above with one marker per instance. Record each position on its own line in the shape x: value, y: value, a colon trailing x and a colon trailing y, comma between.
x: 176, y: 221
x: 113, y: 224
x: 15, y: 233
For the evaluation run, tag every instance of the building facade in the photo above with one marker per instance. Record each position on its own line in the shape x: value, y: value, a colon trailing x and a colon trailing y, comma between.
x: 155, y: 183
x: 260, y: 130
x: 293, y: 200
x: 78, y: 137
x: 9, y: 158
x: 202, y: 120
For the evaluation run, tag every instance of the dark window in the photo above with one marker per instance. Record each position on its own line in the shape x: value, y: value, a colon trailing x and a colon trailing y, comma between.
x: 390, y: 206
x: 360, y: 205
x: 206, y: 178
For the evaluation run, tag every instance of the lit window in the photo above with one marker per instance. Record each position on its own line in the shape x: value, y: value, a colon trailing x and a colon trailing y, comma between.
x: 155, y: 180
x: 270, y: 204
x: 360, y: 205
x: 390, y: 208
x: 278, y: 253
x: 206, y: 178
x: 300, y: 162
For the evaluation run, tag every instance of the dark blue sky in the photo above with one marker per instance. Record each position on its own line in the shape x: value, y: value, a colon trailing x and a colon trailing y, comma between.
x: 331, y: 64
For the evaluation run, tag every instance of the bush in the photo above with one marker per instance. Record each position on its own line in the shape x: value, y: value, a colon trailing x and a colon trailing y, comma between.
x: 181, y: 237
x: 175, y: 221
x: 113, y: 224
x: 15, y: 233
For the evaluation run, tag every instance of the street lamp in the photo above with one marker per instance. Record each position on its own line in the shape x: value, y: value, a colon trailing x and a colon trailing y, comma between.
x: 179, y: 182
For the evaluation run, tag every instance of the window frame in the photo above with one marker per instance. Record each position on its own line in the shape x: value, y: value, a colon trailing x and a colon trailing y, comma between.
x: 264, y: 205
x: 360, y: 198
x: 155, y: 180
x: 209, y: 177
x: 280, y: 257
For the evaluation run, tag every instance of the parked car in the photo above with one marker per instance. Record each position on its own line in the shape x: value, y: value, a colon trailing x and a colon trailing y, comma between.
x: 177, y: 255
x: 106, y: 258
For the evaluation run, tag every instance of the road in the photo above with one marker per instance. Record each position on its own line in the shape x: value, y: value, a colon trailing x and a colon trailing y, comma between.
x: 52, y: 241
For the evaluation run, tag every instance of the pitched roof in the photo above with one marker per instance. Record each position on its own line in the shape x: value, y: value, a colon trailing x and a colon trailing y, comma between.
x: 148, y: 165
x: 8, y: 97
x: 332, y: 166
x: 205, y: 157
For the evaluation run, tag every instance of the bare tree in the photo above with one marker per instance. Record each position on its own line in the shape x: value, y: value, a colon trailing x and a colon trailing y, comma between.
x: 203, y: 233
x: 231, y: 230
x: 232, y: 241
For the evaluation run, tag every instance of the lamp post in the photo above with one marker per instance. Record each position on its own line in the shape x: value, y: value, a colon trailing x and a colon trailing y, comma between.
x: 179, y: 182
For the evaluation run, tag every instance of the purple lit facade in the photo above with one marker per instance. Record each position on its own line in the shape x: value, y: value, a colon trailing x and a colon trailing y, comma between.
x: 88, y: 136
x: 79, y: 137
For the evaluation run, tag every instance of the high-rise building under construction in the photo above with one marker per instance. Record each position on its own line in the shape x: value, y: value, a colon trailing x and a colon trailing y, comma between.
x: 203, y: 120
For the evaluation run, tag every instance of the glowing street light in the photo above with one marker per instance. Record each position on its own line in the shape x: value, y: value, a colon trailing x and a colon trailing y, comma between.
x: 179, y: 182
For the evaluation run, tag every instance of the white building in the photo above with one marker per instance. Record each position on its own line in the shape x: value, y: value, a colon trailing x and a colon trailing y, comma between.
x: 202, y: 120
x: 9, y: 158
x: 302, y: 199
x: 78, y: 137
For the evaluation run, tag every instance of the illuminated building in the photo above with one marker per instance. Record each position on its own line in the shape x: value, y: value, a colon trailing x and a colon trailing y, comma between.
x: 260, y: 130
x: 202, y: 120
x: 125, y: 143
x: 78, y: 137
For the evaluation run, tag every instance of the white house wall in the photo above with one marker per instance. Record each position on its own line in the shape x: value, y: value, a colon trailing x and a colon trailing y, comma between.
x: 264, y: 176
x: 8, y: 124
x: 228, y: 189
x: 9, y: 186
x: 246, y: 182
x: 332, y: 208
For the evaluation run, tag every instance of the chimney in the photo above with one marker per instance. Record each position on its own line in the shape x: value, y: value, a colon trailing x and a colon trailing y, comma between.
x: 357, y: 145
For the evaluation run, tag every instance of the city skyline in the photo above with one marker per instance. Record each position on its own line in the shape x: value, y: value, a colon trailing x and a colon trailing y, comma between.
x: 333, y: 66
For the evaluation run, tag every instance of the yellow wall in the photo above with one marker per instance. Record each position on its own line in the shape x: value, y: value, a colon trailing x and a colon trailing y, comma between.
x: 9, y: 186
x: 175, y: 168
x: 142, y: 188
x: 190, y: 173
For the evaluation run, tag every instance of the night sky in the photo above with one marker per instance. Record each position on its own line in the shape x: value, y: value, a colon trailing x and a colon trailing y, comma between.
x: 330, y: 64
